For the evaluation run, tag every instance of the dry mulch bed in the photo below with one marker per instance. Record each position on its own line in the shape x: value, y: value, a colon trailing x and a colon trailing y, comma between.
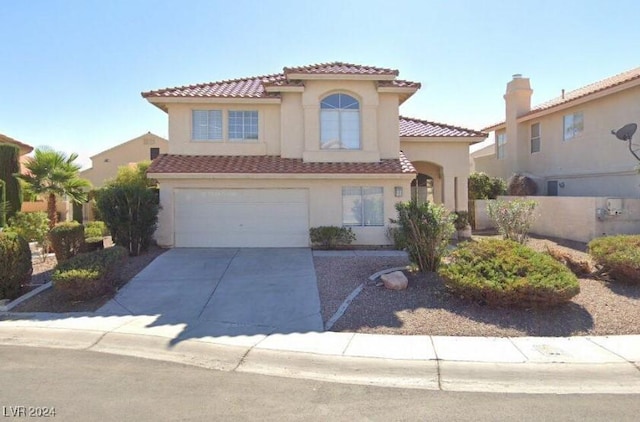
x: 52, y: 300
x: 428, y: 308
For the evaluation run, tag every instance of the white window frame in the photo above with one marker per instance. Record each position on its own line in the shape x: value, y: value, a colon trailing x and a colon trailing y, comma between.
x: 245, y: 126
x: 341, y: 114
x: 363, y: 211
x: 572, y: 125
x: 535, y: 140
x: 207, y: 130
x: 501, y: 141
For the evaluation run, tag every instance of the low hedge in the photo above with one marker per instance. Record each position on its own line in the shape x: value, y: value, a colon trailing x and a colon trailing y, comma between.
x: 67, y: 240
x: 93, y: 244
x: 505, y: 273
x: 329, y: 237
x: 15, y: 264
x: 91, y: 274
x: 95, y: 229
x: 619, y: 256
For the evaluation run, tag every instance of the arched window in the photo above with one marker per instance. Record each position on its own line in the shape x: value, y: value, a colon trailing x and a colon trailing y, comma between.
x: 339, y: 122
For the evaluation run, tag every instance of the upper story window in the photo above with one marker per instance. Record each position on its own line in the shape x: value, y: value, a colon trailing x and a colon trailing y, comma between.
x: 339, y: 122
x: 153, y: 153
x: 206, y: 125
x: 243, y: 125
x: 535, y: 137
x: 501, y: 142
x: 573, y: 125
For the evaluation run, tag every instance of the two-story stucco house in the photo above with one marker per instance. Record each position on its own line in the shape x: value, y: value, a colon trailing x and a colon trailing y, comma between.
x: 258, y: 161
x: 105, y: 164
x: 566, y: 144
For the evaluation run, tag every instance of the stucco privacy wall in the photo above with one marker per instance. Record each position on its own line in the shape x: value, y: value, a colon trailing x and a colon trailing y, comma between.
x: 325, y: 200
x: 574, y: 218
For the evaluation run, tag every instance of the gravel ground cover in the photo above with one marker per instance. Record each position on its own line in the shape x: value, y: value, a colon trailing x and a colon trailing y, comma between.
x: 53, y: 301
x: 427, y: 308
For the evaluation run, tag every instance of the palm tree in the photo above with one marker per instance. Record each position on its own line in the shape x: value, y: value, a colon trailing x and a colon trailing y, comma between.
x: 53, y: 173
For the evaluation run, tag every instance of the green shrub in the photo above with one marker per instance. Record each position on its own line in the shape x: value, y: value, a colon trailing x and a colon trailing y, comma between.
x: 483, y: 186
x: 93, y: 244
x: 15, y: 264
x: 328, y: 237
x: 89, y: 275
x: 426, y: 230
x: 513, y: 218
x: 130, y: 211
x: 67, y: 240
x: 9, y: 166
x: 619, y: 256
x: 506, y: 273
x: 95, y: 229
x: 520, y: 185
x: 33, y: 226
x: 462, y: 220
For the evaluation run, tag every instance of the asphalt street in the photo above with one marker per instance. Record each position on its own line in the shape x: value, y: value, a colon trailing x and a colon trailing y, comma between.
x: 72, y: 385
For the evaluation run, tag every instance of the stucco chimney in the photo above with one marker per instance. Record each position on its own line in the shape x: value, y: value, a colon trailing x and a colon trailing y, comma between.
x: 517, y: 102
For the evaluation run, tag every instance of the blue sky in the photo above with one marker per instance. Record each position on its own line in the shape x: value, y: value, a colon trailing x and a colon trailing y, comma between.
x: 72, y: 71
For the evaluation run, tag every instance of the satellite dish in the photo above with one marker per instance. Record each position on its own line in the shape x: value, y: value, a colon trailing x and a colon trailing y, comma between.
x: 625, y: 133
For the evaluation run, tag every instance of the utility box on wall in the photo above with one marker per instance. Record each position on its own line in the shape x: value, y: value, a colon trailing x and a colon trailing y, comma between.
x: 614, y: 206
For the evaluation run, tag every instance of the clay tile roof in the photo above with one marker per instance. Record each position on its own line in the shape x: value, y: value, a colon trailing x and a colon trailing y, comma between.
x: 253, y: 87
x: 24, y: 148
x: 340, y: 68
x: 593, y: 88
x: 269, y: 164
x: 417, y: 127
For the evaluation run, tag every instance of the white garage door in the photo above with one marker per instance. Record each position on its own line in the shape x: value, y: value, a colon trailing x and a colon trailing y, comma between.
x: 241, y: 217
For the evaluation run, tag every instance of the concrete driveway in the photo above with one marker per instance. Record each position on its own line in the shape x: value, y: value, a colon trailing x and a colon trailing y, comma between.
x: 226, y: 291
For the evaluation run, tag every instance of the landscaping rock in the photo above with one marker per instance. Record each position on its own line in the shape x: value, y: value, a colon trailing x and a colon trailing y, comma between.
x: 395, y: 280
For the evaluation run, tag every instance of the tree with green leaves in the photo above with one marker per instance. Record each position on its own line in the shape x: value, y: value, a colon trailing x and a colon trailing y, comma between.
x: 10, y: 201
x: 53, y: 173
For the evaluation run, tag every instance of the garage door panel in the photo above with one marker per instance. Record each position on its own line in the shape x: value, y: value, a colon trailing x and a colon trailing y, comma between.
x: 241, y: 217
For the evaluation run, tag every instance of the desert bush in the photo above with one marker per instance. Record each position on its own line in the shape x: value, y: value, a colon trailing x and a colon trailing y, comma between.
x: 95, y: 229
x: 513, y: 218
x: 9, y: 167
x: 328, y: 237
x: 89, y: 275
x: 505, y: 273
x: 93, y: 244
x: 32, y: 226
x: 425, y: 229
x: 15, y: 264
x: 520, y: 185
x: 580, y: 267
x: 67, y: 240
x: 129, y: 208
x: 483, y: 186
x: 619, y: 256
x: 462, y: 220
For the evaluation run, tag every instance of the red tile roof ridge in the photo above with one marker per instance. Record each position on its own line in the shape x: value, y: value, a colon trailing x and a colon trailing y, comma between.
x: 444, y: 125
x: 261, y: 78
x: 310, y: 67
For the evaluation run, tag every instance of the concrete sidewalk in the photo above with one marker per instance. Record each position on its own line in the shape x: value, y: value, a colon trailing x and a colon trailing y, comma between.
x: 517, y: 365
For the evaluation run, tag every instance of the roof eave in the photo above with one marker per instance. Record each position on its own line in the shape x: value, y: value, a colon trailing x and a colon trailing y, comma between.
x: 338, y: 76
x: 161, y: 102
x: 160, y: 175
x: 467, y: 139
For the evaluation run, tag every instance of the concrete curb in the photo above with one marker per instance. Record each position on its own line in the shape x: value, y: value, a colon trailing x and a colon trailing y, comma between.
x: 32, y: 293
x: 517, y: 365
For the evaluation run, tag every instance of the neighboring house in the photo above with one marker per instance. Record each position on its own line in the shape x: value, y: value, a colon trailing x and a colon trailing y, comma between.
x: 104, y: 165
x: 258, y: 161
x: 566, y: 144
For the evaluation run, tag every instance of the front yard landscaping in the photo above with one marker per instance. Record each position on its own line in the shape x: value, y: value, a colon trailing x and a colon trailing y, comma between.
x: 427, y: 307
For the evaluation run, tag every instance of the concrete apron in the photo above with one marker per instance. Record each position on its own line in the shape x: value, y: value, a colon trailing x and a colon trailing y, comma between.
x: 217, y: 292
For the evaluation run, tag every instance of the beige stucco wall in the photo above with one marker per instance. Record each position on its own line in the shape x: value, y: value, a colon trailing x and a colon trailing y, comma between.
x: 453, y: 156
x: 325, y: 200
x: 105, y: 164
x: 65, y: 208
x: 574, y: 218
x: 594, y: 163
x: 268, y: 142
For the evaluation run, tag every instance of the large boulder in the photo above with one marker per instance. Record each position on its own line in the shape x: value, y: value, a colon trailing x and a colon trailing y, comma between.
x: 395, y: 280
